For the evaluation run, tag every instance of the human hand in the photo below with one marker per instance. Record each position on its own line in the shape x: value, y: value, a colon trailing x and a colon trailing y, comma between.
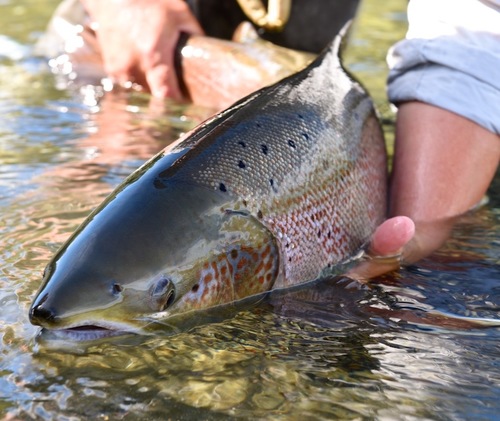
x: 137, y: 39
x: 390, y: 242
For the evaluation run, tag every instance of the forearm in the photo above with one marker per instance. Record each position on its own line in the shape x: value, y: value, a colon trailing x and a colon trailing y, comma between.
x: 443, y: 163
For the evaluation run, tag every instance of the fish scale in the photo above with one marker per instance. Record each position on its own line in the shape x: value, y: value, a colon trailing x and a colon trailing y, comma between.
x: 264, y: 157
x: 282, y: 188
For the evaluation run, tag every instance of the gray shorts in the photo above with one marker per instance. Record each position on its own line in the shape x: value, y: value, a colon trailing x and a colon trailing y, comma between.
x: 450, y: 59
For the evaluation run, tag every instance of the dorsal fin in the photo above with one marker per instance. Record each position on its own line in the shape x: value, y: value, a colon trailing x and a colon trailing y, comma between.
x: 335, y: 49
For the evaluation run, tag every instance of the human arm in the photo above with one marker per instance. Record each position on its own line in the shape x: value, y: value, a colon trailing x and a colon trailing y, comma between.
x: 443, y: 165
x: 447, y: 148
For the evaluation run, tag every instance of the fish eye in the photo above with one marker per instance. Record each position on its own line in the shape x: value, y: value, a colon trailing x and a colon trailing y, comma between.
x: 162, y: 294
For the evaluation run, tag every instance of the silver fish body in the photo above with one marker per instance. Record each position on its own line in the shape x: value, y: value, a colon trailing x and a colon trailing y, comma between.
x: 281, y: 188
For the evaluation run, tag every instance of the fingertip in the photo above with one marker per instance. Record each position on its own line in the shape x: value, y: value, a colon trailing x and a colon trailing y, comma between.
x: 403, y: 227
x: 160, y: 91
x: 162, y: 83
x: 392, y: 235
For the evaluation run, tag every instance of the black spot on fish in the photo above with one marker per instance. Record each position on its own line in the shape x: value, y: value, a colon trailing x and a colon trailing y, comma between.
x: 243, y: 144
x: 287, y: 245
x: 158, y: 183
x: 291, y: 143
x: 245, y: 203
x: 241, y: 164
x: 258, y: 125
x: 234, y: 254
x: 222, y: 187
x: 234, y: 212
x: 289, y: 259
x: 195, y: 288
x: 265, y: 149
x: 329, y: 235
x: 305, y: 136
x: 319, y: 233
x: 271, y: 183
x: 259, y: 214
x: 300, y: 116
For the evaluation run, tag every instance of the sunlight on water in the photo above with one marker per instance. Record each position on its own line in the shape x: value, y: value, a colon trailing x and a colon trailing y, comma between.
x: 403, y: 349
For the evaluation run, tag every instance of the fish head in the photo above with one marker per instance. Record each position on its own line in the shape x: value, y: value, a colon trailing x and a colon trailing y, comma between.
x: 151, y: 252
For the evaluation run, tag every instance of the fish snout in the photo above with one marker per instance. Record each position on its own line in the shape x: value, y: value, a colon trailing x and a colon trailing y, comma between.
x: 41, y: 313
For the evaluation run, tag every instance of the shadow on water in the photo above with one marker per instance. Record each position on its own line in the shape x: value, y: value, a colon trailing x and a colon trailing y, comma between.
x: 407, y: 347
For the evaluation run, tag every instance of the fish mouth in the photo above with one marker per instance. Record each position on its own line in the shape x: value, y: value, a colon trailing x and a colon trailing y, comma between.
x: 88, y: 332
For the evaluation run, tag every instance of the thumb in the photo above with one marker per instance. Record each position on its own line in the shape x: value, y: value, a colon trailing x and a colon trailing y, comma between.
x: 391, y: 236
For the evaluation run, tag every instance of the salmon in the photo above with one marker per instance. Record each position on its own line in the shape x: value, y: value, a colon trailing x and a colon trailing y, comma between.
x: 283, y: 188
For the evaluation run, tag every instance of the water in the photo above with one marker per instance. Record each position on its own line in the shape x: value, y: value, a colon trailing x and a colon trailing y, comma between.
x: 331, y: 351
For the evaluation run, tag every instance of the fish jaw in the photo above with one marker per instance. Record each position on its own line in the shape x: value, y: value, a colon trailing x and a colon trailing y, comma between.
x: 89, y: 325
x: 84, y: 322
x: 91, y: 330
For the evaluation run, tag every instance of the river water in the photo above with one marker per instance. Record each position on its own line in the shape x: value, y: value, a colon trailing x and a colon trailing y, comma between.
x: 397, y: 350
